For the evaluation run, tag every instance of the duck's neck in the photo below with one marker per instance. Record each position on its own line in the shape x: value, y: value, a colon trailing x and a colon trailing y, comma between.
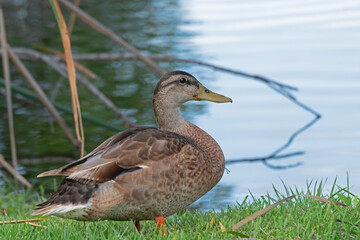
x: 169, y: 119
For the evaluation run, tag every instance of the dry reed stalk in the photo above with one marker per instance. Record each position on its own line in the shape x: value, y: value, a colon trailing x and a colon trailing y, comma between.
x: 6, y: 70
x: 14, y: 173
x: 71, y: 74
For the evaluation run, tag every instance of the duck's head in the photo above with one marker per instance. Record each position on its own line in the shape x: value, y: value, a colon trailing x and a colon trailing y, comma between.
x: 175, y: 88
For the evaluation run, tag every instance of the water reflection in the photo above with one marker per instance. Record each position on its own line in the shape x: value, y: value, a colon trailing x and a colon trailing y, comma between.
x: 151, y: 26
x: 219, y: 197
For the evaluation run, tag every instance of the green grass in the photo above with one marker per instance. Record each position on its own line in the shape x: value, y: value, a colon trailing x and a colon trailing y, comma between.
x: 300, y: 218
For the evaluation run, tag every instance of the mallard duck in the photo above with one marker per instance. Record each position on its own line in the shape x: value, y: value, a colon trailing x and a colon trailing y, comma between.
x: 144, y: 173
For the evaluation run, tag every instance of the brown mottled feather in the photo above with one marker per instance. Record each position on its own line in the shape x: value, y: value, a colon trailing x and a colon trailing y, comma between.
x: 126, y: 150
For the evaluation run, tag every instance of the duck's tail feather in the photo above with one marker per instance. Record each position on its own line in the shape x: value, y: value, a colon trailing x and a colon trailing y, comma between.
x: 71, y: 196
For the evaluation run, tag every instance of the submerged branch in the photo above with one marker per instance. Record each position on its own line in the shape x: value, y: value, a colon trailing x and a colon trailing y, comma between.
x: 42, y: 96
x: 13, y: 171
x: 265, y: 160
x: 55, y: 63
x: 281, y: 88
x: 293, y: 154
x: 95, y: 24
x: 275, y: 154
x: 119, y: 56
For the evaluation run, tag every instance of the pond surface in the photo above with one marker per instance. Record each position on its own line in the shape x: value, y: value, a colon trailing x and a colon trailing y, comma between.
x: 311, y: 45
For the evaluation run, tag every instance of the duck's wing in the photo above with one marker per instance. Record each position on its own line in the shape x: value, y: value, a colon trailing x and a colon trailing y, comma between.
x: 124, y: 152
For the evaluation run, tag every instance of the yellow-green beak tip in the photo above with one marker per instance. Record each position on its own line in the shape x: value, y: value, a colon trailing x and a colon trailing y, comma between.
x: 207, y: 95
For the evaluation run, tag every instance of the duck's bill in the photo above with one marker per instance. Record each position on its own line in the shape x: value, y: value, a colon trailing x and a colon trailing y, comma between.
x: 207, y: 95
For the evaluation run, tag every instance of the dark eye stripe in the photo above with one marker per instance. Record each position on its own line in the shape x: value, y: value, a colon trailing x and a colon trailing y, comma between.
x: 178, y: 80
x: 170, y: 83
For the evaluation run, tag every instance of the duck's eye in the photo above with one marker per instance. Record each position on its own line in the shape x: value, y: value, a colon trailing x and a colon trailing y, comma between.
x: 182, y: 80
x: 207, y: 91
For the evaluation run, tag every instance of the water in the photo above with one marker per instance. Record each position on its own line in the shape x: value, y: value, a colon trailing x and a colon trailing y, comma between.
x: 312, y: 45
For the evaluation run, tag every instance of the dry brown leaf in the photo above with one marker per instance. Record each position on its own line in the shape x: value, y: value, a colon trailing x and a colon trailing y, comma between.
x: 212, y: 221
x: 223, y: 229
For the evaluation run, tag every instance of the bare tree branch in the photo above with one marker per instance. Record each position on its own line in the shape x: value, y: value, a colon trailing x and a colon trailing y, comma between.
x: 14, y: 172
x: 258, y: 159
x: 119, y: 56
x: 55, y: 63
x: 279, y: 87
x: 265, y: 160
x: 42, y: 96
x: 107, y: 32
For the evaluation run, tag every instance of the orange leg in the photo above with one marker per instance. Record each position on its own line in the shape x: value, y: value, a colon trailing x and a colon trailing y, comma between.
x: 137, y: 225
x: 161, y: 224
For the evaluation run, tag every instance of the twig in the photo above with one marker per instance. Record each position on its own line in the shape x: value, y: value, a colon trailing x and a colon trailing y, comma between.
x: 294, y: 135
x: 92, y: 88
x: 29, y: 55
x: 42, y: 96
x: 232, y: 161
x: 52, y: 97
x: 14, y: 173
x: 52, y: 61
x: 73, y: 17
x: 30, y: 95
x: 16, y: 96
x: 77, y: 65
x: 6, y: 70
x: 21, y: 221
x: 274, y: 155
x: 119, y: 56
x: 265, y: 160
x: 107, y: 32
x: 55, y: 91
x: 36, y: 225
